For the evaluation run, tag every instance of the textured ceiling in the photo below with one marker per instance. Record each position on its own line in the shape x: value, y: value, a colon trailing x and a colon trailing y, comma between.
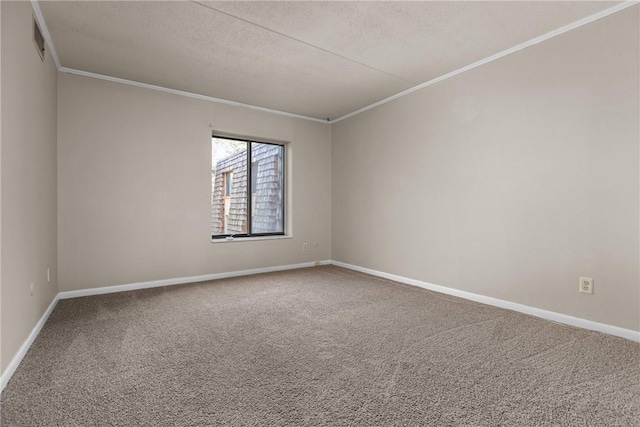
x: 318, y: 59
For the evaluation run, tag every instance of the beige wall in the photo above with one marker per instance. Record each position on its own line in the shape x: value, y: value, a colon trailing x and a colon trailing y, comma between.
x: 28, y: 179
x: 511, y: 180
x: 134, y: 186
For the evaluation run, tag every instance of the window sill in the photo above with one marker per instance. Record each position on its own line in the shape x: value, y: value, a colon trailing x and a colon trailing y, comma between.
x: 250, y: 239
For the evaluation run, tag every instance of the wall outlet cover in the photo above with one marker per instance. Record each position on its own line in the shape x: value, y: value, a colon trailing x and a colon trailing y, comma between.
x: 586, y: 285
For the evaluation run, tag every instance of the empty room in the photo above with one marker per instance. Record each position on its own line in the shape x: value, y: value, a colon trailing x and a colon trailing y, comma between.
x: 257, y: 213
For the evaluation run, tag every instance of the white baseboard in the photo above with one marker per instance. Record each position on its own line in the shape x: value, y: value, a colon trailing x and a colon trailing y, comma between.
x: 181, y: 280
x: 8, y: 373
x: 13, y: 365
x: 537, y: 312
x: 549, y: 315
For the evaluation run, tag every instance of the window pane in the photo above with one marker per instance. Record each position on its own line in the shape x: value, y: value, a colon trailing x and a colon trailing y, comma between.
x: 229, y: 186
x: 267, y: 189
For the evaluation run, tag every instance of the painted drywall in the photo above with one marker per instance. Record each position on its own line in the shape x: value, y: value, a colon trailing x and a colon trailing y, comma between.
x: 511, y: 180
x: 28, y: 169
x: 134, y: 186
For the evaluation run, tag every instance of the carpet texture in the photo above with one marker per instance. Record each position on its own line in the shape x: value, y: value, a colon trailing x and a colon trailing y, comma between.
x: 319, y: 346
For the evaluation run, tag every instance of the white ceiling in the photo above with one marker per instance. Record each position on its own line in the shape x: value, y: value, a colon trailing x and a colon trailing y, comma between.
x: 317, y: 59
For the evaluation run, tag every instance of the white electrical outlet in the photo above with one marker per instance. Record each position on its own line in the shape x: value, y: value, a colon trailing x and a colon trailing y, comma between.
x: 586, y: 285
x: 304, y: 246
x: 31, y: 289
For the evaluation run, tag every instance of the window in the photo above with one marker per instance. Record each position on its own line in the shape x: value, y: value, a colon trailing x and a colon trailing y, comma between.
x: 247, y: 188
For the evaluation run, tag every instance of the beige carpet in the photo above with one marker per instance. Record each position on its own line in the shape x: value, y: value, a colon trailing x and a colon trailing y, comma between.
x: 320, y: 346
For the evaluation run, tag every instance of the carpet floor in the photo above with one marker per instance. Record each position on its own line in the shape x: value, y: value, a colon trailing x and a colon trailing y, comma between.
x: 319, y: 346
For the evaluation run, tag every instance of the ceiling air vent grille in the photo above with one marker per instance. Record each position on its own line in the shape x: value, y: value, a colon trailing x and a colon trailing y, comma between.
x: 38, y: 39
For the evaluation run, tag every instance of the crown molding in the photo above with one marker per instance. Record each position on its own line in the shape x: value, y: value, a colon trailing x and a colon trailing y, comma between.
x: 532, y: 42
x: 584, y: 21
x: 187, y: 94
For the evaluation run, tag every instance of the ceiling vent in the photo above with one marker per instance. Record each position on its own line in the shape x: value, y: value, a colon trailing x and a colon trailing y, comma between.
x: 38, y: 39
